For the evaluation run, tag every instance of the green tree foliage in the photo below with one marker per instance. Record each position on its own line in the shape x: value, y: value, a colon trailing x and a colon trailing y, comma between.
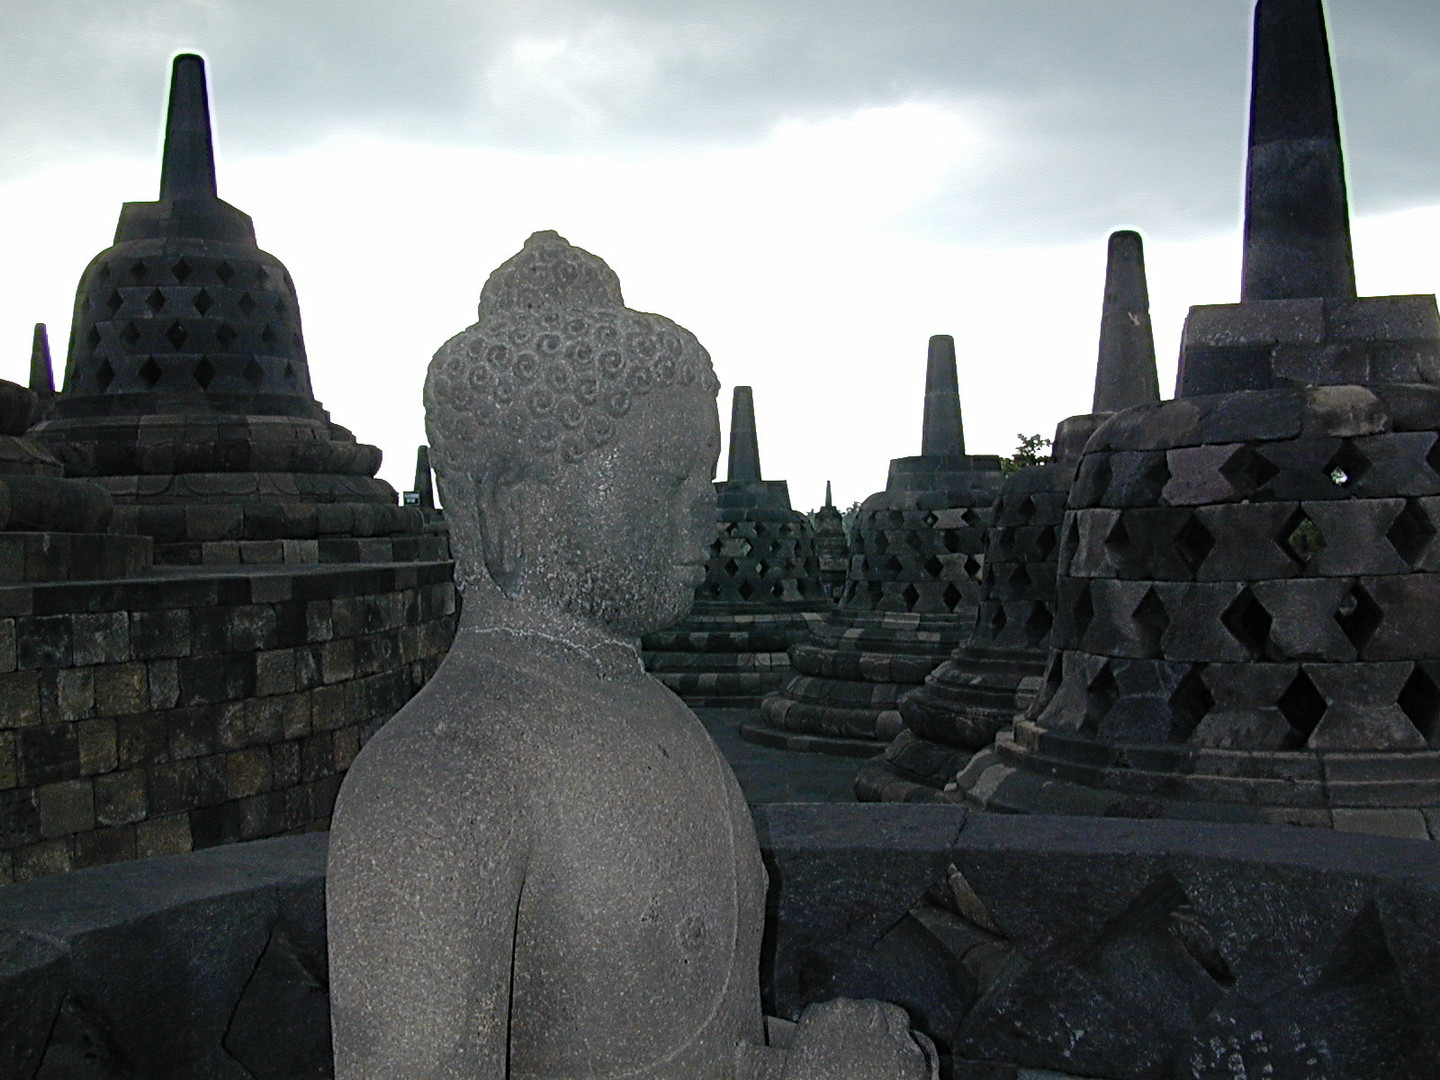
x: 1031, y: 451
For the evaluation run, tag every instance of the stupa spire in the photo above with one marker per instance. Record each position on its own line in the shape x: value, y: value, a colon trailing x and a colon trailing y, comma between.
x: 944, y: 433
x: 1297, y: 220
x: 828, y: 500
x: 188, y: 169
x: 424, y: 485
x: 1125, y: 374
x: 42, y: 375
x: 744, y: 461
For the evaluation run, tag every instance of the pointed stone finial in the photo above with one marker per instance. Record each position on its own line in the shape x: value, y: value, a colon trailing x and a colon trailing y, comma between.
x: 744, y: 443
x: 188, y: 170
x: 42, y: 375
x: 1125, y: 374
x: 944, y: 434
x: 829, y: 502
x: 424, y: 486
x: 1297, y: 220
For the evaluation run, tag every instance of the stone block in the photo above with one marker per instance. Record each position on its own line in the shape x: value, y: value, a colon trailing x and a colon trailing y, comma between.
x: 75, y: 696
x: 337, y: 660
x: 1362, y: 708
x: 285, y: 763
x: 19, y: 817
x: 347, y: 745
x: 1196, y: 478
x: 100, y: 847
x: 1196, y: 631
x: 1410, y: 627
x: 49, y: 754
x: 101, y: 638
x: 141, y: 740
x: 66, y: 807
x: 248, y: 772
x: 97, y: 745
x: 121, y: 798
x: 9, y: 760
x: 122, y: 689
x: 163, y: 678
x: 1248, y: 415
x: 42, y: 859
x: 44, y: 641
x: 317, y: 757
x: 1303, y: 614
x: 197, y: 730
x: 250, y: 627
x: 1404, y: 823
x: 172, y: 786
x: 169, y: 835
x: 1247, y: 542
x: 7, y: 645
x: 295, y: 715
x: 163, y: 633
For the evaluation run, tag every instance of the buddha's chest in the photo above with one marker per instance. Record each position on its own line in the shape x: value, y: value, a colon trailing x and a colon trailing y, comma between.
x: 642, y: 911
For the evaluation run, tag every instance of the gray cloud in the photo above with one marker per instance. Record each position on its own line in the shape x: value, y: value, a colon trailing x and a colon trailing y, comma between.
x: 1112, y: 111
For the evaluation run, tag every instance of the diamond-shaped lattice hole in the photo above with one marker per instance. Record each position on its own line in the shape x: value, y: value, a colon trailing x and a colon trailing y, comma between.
x: 1038, y: 624
x: 114, y: 300
x: 246, y: 304
x: 911, y: 596
x: 182, y: 269
x: 224, y: 272
x: 94, y: 336
x: 204, y: 372
x: 1249, y: 623
x: 745, y: 589
x: 254, y: 373
x: 1359, y: 617
x: 1194, y: 542
x: 1151, y: 621
x: 762, y: 568
x: 1117, y: 540
x: 1157, y: 475
x: 891, y: 566
x: 138, y: 270
x: 1024, y: 510
x: 1301, y: 538
x: 1190, y: 701
x: 225, y: 335
x: 931, y: 519
x: 203, y: 301
x: 1248, y: 470
x: 951, y: 597
x: 1348, y: 465
x: 934, y: 567
x: 261, y: 275
x: 973, y: 518
x: 156, y: 300
x: 1419, y: 700
x: 731, y: 567
x: 1302, y: 705
x: 1084, y: 614
x: 268, y: 335
x: 130, y: 333
x: 1411, y: 533
x: 1100, y: 698
x: 1044, y: 545
x: 289, y: 372
x: 973, y: 567
x: 281, y: 307
x: 951, y: 539
x: 104, y: 375
x: 998, y: 618
x: 177, y: 335
x: 150, y: 371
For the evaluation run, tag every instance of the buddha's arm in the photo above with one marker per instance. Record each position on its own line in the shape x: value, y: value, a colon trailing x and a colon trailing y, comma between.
x: 422, y: 925
x: 845, y: 1040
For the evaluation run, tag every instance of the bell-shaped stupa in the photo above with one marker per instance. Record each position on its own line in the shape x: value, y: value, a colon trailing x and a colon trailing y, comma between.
x: 1249, y: 578
x: 917, y: 549
x: 994, y: 675
x: 187, y: 391
x: 761, y: 591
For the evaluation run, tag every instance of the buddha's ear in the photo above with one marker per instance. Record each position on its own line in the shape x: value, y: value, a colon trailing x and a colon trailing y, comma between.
x: 498, y: 507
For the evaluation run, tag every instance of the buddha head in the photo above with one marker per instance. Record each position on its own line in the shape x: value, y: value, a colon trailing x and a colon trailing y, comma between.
x: 574, y: 441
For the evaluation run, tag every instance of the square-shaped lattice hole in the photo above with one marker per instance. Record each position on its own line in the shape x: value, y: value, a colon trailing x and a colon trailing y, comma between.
x: 1412, y: 533
x: 1194, y: 542
x: 1301, y: 538
x: 1303, y: 706
x: 1419, y: 700
x: 1359, y: 617
x: 1347, y: 466
x: 1247, y: 470
x: 1249, y: 623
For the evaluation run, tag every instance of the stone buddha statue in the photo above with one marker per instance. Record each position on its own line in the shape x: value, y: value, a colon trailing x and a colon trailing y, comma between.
x: 542, y: 866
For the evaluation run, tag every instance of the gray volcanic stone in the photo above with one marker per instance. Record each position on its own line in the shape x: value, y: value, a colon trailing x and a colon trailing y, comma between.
x: 542, y: 865
x: 761, y: 592
x: 993, y: 676
x: 1258, y: 603
x: 917, y: 556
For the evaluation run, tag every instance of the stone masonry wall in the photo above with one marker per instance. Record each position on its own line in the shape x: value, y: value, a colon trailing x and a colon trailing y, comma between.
x: 168, y: 713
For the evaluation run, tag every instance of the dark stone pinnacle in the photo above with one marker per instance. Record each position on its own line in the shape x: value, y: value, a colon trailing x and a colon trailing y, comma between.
x: 1125, y: 374
x: 42, y: 377
x: 744, y: 461
x: 1297, y: 220
x: 424, y: 486
x: 944, y: 433
x: 828, y: 500
x: 188, y: 170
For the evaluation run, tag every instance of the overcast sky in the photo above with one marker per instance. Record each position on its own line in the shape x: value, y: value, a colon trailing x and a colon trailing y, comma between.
x: 812, y: 186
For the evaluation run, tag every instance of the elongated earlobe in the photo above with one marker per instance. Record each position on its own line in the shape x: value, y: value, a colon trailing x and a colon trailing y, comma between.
x: 497, y: 506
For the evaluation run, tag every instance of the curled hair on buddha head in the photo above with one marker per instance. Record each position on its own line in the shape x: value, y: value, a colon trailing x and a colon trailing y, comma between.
x: 555, y: 361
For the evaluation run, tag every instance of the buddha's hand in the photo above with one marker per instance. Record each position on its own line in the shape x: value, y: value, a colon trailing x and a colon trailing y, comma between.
x: 858, y: 1040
